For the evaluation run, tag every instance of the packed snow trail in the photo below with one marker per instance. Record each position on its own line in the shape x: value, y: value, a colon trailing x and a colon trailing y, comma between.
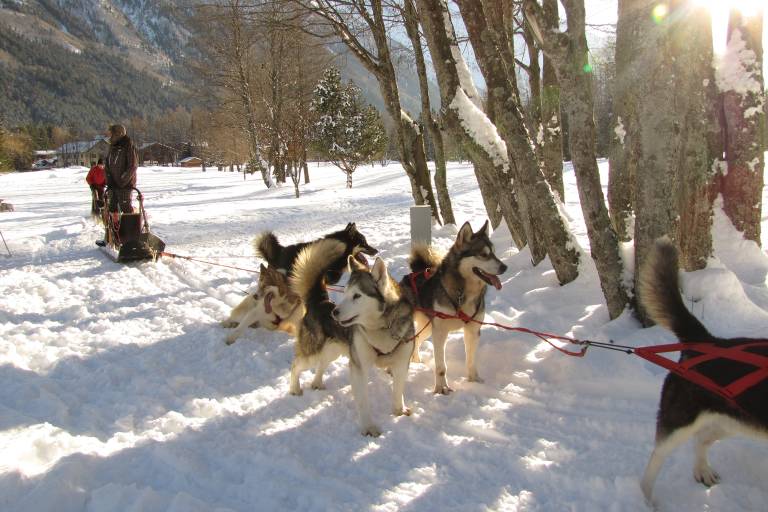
x: 117, y: 391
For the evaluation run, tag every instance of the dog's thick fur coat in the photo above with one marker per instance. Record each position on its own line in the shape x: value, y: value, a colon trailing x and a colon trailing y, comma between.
x: 283, y: 257
x: 686, y: 409
x: 320, y: 340
x: 458, y: 282
x: 381, y: 319
x: 271, y: 307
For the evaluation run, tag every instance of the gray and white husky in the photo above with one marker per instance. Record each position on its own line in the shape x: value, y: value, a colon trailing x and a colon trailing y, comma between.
x: 381, y: 319
x: 687, y: 410
x: 457, y: 282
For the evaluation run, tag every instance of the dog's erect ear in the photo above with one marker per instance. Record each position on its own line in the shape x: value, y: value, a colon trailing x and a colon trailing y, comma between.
x: 465, y: 234
x: 351, y: 227
x: 353, y: 264
x: 263, y: 271
x: 484, y: 229
x: 379, y: 272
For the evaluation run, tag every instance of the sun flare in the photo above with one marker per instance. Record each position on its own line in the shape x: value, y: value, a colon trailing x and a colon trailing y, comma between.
x: 747, y: 7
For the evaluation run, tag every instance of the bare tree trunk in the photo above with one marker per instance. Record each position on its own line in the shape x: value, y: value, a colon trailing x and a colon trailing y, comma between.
x: 244, y: 85
x: 625, y: 149
x: 743, y: 97
x: 305, y: 166
x: 701, y: 142
x: 410, y: 17
x: 489, y: 158
x: 552, y: 151
x: 538, y: 207
x: 569, y: 53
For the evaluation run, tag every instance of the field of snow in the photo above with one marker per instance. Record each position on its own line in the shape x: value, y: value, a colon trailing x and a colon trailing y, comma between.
x: 117, y: 392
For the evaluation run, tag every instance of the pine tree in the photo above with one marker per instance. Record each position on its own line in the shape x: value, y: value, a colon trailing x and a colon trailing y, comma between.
x: 348, y: 131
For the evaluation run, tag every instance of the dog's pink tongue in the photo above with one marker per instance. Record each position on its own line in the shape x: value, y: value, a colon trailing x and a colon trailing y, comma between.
x: 495, y: 280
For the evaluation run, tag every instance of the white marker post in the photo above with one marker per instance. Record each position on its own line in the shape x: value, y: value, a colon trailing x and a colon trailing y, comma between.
x: 421, y: 225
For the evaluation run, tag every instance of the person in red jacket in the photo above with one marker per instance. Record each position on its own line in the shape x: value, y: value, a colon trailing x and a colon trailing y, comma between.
x: 97, y: 179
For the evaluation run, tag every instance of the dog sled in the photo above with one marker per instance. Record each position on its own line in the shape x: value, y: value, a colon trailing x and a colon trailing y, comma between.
x: 127, y: 234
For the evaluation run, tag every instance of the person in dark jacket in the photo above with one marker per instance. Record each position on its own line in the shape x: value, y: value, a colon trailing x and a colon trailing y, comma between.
x: 96, y: 180
x: 122, y: 161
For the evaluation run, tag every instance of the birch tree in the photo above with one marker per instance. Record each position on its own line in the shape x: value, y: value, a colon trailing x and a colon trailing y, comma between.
x: 742, y: 85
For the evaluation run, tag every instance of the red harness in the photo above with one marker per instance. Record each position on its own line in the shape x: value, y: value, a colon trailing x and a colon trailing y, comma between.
x: 685, y: 369
x: 708, y: 351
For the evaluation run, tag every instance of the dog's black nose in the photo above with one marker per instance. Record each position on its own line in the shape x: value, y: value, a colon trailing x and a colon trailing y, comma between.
x: 503, y: 268
x: 335, y: 313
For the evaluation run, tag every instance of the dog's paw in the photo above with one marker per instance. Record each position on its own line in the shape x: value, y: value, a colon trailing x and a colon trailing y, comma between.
x: 230, y: 339
x: 405, y: 411
x: 706, y: 475
x: 296, y: 392
x: 228, y: 324
x: 370, y: 431
x: 318, y: 386
x: 475, y: 378
x: 443, y: 389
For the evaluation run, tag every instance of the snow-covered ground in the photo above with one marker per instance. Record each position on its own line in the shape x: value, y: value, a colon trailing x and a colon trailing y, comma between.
x: 117, y: 392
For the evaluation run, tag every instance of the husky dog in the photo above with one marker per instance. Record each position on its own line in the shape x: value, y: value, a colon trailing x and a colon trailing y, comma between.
x: 271, y: 307
x: 457, y: 283
x: 687, y: 410
x: 381, y: 319
x: 283, y: 258
x: 320, y: 339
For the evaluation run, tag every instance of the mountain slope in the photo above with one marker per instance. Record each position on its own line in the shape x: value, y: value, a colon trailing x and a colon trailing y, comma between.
x: 84, y: 63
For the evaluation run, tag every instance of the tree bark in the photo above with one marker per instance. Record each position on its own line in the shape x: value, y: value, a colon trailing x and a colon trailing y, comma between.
x: 625, y: 149
x: 410, y: 17
x: 490, y: 159
x: 743, y: 97
x: 546, y: 229
x: 552, y: 151
x: 569, y: 53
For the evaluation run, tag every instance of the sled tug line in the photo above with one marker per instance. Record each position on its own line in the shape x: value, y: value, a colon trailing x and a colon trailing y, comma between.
x: 755, y: 365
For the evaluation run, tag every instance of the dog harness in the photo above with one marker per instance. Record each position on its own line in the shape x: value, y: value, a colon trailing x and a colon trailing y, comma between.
x: 461, y: 315
x: 708, y: 352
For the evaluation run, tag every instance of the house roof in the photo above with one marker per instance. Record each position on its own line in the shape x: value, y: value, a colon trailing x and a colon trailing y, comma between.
x: 189, y: 159
x: 148, y: 144
x: 80, y: 146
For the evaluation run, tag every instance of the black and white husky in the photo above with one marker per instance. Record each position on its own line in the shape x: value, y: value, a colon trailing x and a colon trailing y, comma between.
x: 686, y: 409
x: 283, y: 257
x: 457, y: 283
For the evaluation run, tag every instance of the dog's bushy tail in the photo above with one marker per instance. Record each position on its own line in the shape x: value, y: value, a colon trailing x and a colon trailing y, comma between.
x: 268, y: 247
x: 424, y: 257
x: 659, y: 292
x: 307, y: 279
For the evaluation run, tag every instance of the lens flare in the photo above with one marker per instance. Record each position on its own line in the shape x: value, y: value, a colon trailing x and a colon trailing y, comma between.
x: 660, y: 12
x: 748, y: 8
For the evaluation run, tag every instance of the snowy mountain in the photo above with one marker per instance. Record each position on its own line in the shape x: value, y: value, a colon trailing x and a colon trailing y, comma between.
x: 65, y: 61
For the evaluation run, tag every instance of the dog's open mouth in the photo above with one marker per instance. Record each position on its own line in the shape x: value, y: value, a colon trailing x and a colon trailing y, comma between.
x: 488, y: 278
x: 277, y: 320
x: 361, y: 258
x: 348, y: 321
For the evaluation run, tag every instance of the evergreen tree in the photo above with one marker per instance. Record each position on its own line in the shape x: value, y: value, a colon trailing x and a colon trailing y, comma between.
x: 349, y: 132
